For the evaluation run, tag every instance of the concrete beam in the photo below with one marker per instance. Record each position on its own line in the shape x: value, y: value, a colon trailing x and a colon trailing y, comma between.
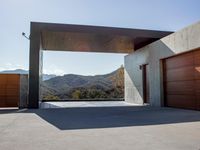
x: 82, y: 38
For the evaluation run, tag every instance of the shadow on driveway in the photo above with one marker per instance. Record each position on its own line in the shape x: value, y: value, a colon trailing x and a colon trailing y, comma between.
x: 107, y: 117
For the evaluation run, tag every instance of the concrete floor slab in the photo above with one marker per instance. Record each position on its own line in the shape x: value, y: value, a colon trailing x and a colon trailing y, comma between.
x: 100, y: 128
x: 68, y: 104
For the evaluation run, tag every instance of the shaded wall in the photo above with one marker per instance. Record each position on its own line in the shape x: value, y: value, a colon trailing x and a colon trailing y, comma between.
x: 23, y: 102
x: 35, y: 67
x: 184, y: 40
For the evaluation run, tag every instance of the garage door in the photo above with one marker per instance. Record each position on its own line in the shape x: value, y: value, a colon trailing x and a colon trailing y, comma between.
x: 182, y: 80
x: 9, y: 90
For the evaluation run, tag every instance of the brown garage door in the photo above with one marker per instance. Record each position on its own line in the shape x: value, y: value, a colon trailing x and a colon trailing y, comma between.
x: 182, y: 80
x: 9, y: 90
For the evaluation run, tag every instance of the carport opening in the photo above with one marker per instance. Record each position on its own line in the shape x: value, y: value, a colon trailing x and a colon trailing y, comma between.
x: 78, y: 76
x: 80, y: 38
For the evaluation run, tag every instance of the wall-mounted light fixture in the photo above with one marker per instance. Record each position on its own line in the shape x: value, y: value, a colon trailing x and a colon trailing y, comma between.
x: 24, y: 34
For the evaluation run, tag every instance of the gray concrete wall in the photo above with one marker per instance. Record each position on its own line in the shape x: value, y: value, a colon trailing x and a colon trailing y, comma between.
x: 23, y: 91
x: 184, y: 40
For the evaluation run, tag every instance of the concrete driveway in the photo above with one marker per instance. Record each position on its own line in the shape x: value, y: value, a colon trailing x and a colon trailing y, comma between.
x: 100, y: 128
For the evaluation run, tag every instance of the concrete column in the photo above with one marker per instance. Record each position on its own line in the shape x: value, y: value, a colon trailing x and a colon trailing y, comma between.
x: 23, y: 91
x: 35, y: 67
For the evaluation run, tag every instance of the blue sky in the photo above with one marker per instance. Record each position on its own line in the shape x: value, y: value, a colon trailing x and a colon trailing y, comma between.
x: 15, y: 16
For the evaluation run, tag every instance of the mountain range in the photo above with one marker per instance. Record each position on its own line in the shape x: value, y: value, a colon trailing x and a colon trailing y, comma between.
x: 72, y: 86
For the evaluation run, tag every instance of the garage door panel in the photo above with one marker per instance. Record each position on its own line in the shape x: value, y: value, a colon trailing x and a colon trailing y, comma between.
x: 180, y: 61
x: 3, y: 79
x: 2, y: 101
x: 197, y: 72
x: 182, y: 80
x: 181, y: 101
x: 12, y: 101
x: 197, y: 87
x: 181, y: 87
x: 2, y: 86
x: 13, y: 79
x: 9, y: 90
x: 180, y: 74
x: 198, y: 101
x: 2, y: 91
x: 12, y: 86
x: 12, y: 92
x: 197, y: 57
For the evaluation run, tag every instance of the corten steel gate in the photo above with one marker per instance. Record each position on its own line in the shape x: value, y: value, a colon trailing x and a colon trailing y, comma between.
x: 9, y: 90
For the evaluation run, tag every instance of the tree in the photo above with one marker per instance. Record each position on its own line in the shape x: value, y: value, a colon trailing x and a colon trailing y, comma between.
x: 76, y: 94
x: 51, y: 97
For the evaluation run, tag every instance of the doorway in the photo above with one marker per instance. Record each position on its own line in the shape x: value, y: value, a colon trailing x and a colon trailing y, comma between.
x: 145, y: 80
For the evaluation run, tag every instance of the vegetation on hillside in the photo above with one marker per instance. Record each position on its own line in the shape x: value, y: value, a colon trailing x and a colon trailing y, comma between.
x: 85, y: 87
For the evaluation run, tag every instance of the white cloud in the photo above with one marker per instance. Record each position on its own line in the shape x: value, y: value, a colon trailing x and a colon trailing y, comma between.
x: 53, y: 69
x: 10, y: 66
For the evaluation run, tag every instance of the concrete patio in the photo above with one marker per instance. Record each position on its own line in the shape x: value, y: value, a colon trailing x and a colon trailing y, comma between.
x: 100, y: 128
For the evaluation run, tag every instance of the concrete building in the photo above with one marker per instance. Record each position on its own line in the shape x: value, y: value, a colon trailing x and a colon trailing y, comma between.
x: 166, y: 72
x: 155, y: 73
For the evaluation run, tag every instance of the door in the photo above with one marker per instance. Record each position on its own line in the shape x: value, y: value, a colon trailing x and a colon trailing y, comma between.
x: 182, y: 80
x: 145, y: 74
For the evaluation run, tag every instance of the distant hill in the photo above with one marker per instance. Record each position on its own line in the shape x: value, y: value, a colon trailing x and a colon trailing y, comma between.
x: 48, y: 76
x: 72, y: 86
x: 21, y: 71
x: 17, y: 71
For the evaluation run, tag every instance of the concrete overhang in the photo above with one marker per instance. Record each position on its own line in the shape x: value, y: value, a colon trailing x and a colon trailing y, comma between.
x: 82, y: 38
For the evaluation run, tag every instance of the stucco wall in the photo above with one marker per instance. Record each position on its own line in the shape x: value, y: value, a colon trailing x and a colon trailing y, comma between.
x: 184, y: 40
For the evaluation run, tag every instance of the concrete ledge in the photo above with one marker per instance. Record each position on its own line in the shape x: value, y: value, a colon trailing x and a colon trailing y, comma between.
x: 85, y: 104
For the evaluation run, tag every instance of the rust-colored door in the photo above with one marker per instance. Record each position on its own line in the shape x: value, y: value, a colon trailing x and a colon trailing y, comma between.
x: 182, y: 80
x: 9, y: 90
